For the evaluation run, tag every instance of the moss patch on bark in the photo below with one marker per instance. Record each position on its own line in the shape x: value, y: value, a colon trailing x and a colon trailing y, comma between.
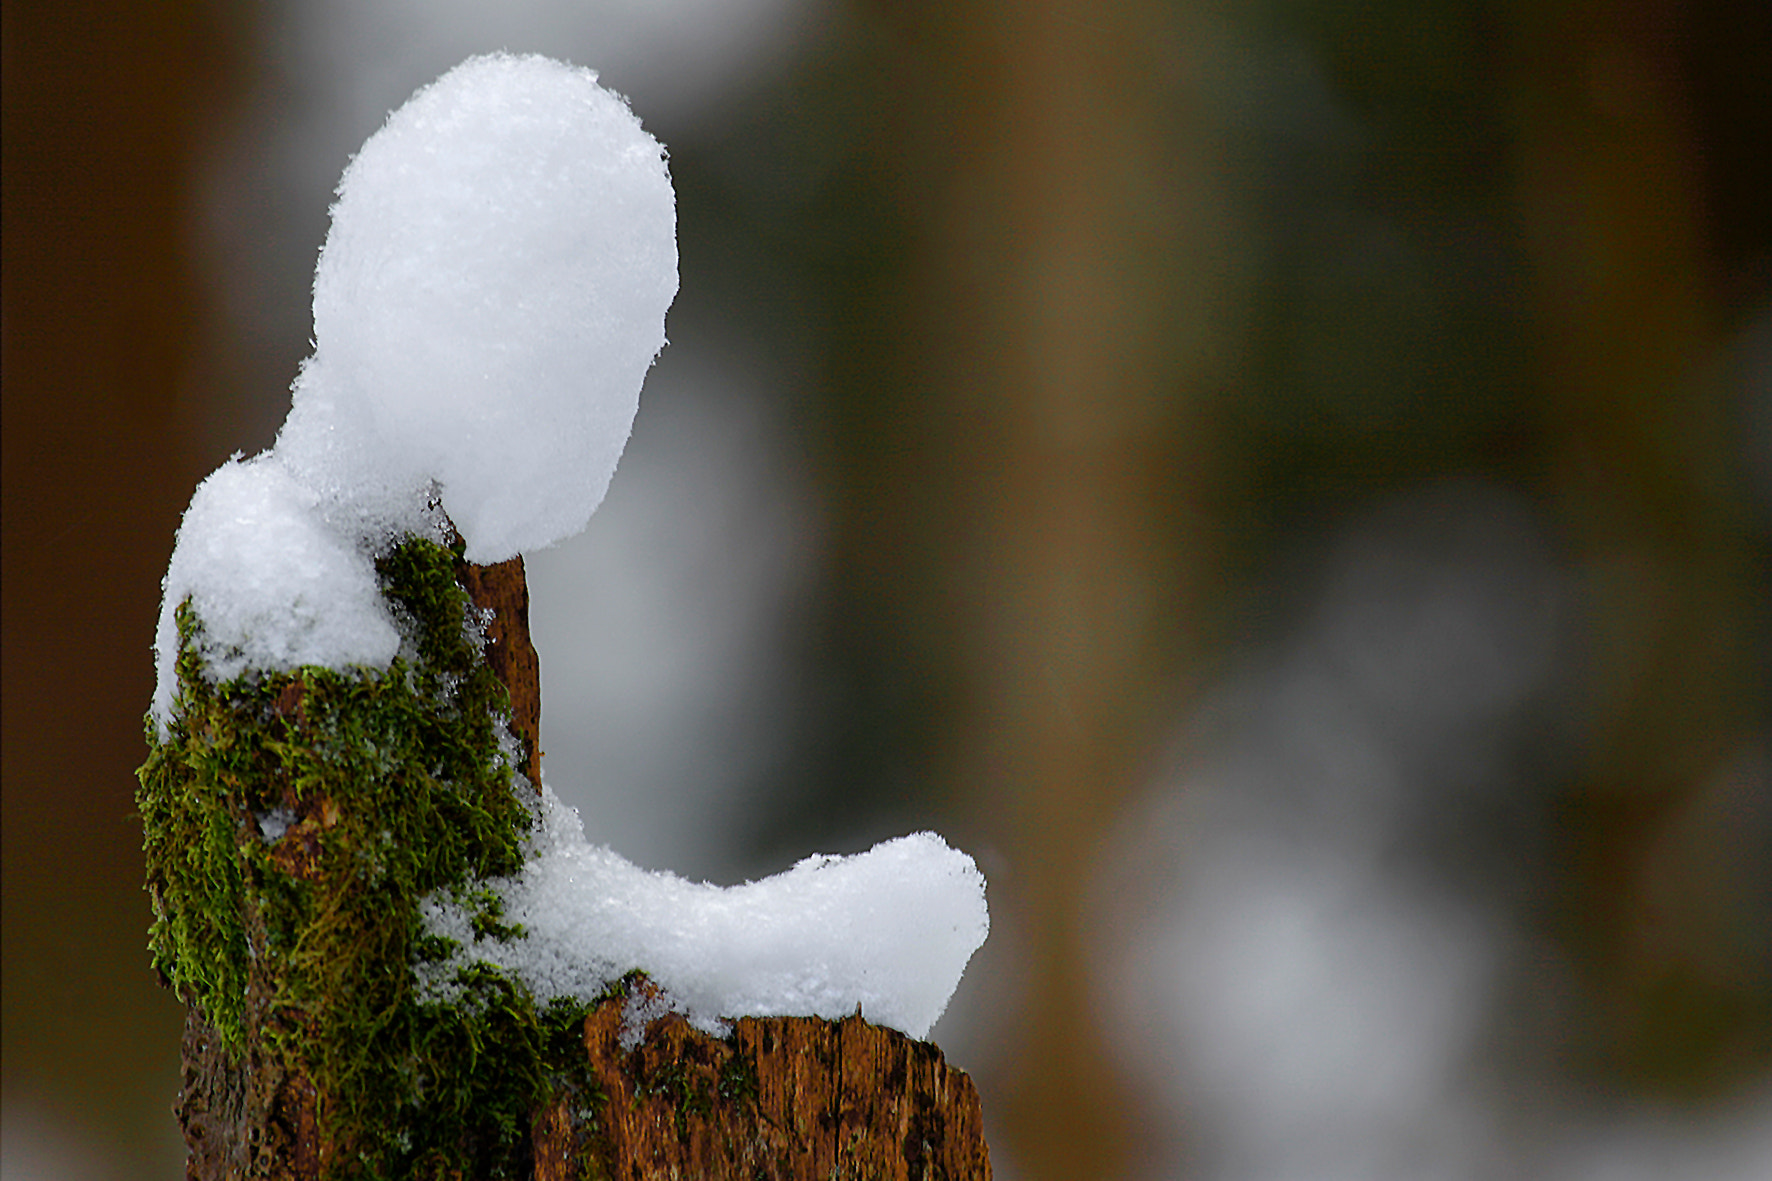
x: 293, y: 823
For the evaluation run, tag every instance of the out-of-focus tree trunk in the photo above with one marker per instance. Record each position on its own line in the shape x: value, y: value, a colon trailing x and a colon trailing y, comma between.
x: 107, y: 119
x: 1066, y: 295
x: 1637, y: 415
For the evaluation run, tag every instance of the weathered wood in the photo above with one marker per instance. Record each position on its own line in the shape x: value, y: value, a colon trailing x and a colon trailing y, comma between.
x: 502, y: 592
x: 281, y: 817
x: 778, y: 1099
x: 244, y: 1117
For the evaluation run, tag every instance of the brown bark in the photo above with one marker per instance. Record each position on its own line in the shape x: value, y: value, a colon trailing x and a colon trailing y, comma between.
x: 1612, y: 181
x: 778, y: 1099
x: 252, y: 1118
x: 503, y: 591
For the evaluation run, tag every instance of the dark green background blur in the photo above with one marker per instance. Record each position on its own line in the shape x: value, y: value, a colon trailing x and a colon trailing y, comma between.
x: 1116, y: 308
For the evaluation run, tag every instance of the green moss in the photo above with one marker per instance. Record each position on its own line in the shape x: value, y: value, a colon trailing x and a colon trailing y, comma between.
x: 693, y: 1090
x: 387, y: 785
x: 738, y: 1079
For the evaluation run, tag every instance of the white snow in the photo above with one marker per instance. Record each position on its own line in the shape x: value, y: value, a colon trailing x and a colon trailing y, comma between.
x: 274, y: 585
x: 487, y: 303
x: 887, y: 932
x: 488, y: 300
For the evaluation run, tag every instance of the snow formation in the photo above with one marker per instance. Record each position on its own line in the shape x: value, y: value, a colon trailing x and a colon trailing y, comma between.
x: 488, y: 300
x: 887, y: 932
x: 486, y: 305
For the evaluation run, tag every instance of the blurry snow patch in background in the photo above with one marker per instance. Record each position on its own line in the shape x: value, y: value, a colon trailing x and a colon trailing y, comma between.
x: 1300, y: 960
x: 667, y: 627
x: 1733, y: 1143
x: 1293, y: 968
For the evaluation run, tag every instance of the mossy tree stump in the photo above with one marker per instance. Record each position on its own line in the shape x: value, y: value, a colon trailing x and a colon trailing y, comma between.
x: 293, y: 823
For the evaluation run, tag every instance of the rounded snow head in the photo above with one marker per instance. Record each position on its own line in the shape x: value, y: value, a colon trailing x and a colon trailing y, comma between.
x: 489, y: 298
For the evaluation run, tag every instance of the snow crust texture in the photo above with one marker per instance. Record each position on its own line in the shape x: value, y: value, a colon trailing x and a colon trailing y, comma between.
x: 887, y: 932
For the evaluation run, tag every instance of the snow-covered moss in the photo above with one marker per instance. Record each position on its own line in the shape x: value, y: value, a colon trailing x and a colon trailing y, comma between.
x: 294, y: 821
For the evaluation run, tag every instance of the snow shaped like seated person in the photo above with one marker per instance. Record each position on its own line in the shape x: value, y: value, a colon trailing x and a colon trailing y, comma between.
x: 487, y: 303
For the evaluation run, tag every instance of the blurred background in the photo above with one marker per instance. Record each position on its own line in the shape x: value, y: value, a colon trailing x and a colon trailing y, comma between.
x: 1286, y: 485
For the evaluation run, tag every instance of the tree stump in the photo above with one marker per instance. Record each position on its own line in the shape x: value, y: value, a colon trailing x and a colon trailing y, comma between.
x: 294, y: 820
